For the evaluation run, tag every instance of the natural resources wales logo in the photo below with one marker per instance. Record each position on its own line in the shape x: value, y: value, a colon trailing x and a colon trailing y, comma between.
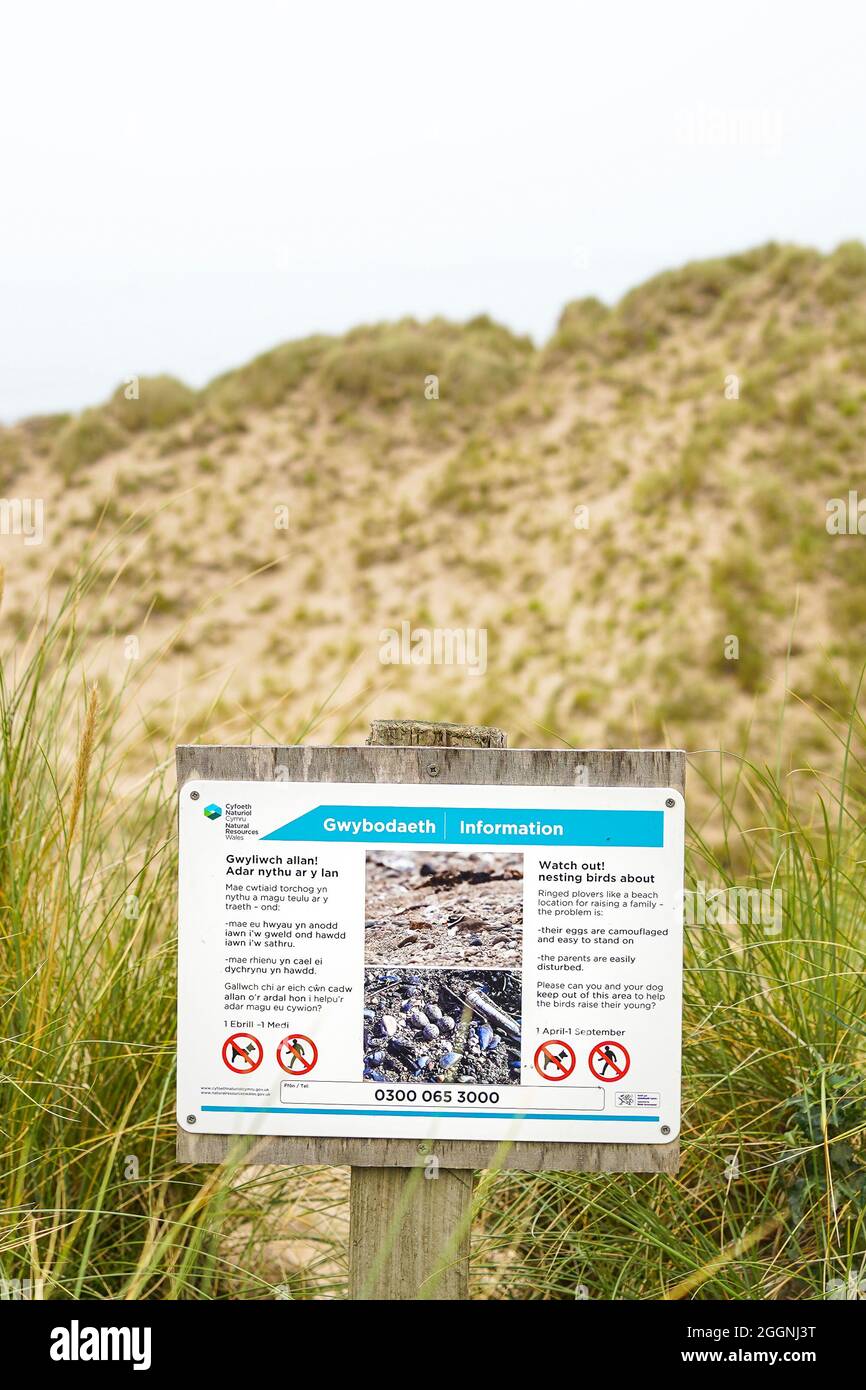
x: 213, y: 812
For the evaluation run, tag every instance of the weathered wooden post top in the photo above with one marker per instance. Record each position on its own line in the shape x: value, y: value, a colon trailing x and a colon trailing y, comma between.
x: 427, y: 956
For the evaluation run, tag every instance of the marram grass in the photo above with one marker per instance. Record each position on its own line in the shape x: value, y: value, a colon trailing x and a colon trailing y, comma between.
x: 770, y: 1201
x: 771, y: 1196
x: 92, y: 1203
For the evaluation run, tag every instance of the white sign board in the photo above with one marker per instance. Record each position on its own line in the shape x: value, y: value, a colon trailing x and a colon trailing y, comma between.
x: 452, y: 962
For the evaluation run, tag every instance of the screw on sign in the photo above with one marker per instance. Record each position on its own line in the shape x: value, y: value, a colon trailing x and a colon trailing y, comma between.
x: 554, y: 1060
x: 297, y: 1054
x: 609, y: 1061
x: 242, y: 1053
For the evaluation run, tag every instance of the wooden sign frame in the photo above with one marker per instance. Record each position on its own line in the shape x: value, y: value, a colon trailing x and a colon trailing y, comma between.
x: 431, y: 763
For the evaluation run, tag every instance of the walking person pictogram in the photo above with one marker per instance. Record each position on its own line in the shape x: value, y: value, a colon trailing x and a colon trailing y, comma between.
x: 609, y: 1061
x: 293, y: 1051
x: 297, y: 1054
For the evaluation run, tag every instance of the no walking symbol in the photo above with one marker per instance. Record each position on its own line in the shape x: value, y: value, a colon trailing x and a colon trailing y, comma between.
x: 609, y: 1061
x: 297, y: 1054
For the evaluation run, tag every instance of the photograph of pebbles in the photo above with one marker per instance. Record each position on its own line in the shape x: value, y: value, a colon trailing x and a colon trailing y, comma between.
x: 427, y: 907
x: 443, y: 1025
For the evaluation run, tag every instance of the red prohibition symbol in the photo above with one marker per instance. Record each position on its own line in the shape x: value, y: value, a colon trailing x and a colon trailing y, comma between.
x: 609, y: 1061
x: 297, y: 1054
x: 554, y: 1060
x: 242, y: 1053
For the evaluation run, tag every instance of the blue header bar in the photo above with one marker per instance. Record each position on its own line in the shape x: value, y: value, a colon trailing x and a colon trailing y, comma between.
x: 485, y: 825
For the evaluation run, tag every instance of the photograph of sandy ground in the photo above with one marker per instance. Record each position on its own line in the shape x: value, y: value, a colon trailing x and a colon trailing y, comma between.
x: 444, y: 908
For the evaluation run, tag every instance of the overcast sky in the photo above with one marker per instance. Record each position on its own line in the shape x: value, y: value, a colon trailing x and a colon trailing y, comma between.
x: 185, y: 184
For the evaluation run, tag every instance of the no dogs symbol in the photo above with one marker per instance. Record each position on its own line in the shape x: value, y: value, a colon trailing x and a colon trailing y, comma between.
x: 242, y: 1053
x: 609, y: 1061
x: 554, y: 1060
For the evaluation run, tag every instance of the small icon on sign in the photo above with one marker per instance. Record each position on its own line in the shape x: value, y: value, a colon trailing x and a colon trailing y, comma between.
x: 297, y: 1054
x: 609, y: 1061
x: 554, y: 1060
x: 639, y: 1100
x: 242, y: 1053
x: 213, y: 812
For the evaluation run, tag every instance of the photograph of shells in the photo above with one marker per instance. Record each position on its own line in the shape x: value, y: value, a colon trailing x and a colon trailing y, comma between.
x: 441, y: 1026
x: 428, y: 907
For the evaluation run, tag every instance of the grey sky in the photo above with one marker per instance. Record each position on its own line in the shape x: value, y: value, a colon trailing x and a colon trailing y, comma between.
x: 185, y: 184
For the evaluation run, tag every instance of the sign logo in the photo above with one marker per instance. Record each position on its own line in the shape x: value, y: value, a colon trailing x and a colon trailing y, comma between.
x: 213, y: 812
x: 609, y: 1061
x: 242, y: 1053
x: 555, y: 1060
x: 297, y: 1054
x: 643, y: 1100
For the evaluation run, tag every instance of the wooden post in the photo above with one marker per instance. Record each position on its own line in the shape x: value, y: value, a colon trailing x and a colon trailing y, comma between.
x: 409, y: 1228
x: 409, y: 1234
